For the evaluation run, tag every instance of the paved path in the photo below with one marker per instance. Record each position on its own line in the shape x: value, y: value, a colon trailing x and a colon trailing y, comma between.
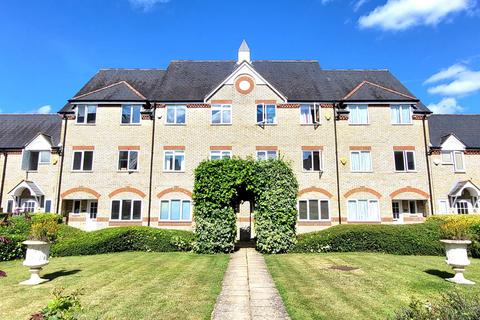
x: 248, y: 291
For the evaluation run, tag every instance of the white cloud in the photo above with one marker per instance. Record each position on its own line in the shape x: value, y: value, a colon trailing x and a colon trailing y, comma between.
x: 403, y: 14
x: 44, y: 109
x: 358, y: 4
x: 446, y: 105
x: 460, y: 80
x: 146, y: 5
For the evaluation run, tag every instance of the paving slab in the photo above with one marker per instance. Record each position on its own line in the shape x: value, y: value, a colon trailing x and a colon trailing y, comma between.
x: 248, y: 291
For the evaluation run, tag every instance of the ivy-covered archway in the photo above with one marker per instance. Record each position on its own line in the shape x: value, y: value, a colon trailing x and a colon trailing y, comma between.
x: 218, y: 184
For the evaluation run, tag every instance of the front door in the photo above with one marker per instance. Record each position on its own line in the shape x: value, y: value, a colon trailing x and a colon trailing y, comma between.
x: 29, y: 205
x: 397, y: 212
x: 463, y: 206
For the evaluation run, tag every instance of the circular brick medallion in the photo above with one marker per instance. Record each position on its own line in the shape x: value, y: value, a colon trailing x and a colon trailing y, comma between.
x: 244, y: 84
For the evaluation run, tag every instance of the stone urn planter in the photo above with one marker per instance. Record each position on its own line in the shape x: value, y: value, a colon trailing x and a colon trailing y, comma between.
x: 35, y: 259
x: 457, y: 258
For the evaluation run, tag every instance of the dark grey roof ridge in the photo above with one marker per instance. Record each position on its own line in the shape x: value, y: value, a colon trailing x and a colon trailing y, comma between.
x: 133, y: 69
x: 358, y: 70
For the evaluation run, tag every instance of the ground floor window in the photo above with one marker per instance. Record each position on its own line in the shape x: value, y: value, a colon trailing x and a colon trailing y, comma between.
x: 93, y: 209
x: 126, y: 210
x: 363, y: 210
x: 48, y: 205
x: 462, y: 207
x: 85, y: 206
x: 313, y: 210
x: 10, y: 206
x: 29, y: 206
x: 220, y: 154
x: 266, y: 154
x: 175, y: 209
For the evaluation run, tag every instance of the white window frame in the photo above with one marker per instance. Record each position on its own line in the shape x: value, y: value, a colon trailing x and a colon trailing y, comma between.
x: 405, y: 161
x: 454, y: 159
x: 221, y: 108
x: 25, y: 205
x: 444, y: 204
x: 121, y: 207
x: 81, y: 160
x: 169, y: 201
x: 86, y: 106
x: 174, y: 153
x: 221, y: 154
x: 361, y: 151
x: 128, y: 160
x: 317, y: 111
x: 266, y: 154
x: 443, y: 153
x: 320, y: 156
x: 402, y: 121
x: 132, y: 107
x: 175, y: 107
x: 368, y: 206
x: 90, y: 210
x: 308, y: 209
x: 466, y: 208
x: 264, y: 114
x: 40, y: 157
x: 73, y: 207
x: 356, y: 106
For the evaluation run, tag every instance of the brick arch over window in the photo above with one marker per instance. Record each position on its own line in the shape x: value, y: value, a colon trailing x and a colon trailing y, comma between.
x: 127, y: 189
x: 315, y: 189
x: 81, y: 189
x: 411, y: 190
x: 363, y: 189
x: 174, y: 189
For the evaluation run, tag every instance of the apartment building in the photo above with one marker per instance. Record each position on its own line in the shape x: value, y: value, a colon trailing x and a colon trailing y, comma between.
x: 357, y: 141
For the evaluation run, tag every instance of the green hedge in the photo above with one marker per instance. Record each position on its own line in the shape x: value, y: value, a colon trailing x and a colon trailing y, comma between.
x: 412, y: 239
x: 123, y: 239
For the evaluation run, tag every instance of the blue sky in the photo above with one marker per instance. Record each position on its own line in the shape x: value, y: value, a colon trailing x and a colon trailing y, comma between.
x: 50, y: 48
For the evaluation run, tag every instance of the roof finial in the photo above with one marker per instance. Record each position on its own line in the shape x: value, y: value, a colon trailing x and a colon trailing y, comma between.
x: 243, y: 52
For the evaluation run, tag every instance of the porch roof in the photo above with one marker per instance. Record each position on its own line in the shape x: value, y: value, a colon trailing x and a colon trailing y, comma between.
x: 462, y: 185
x: 30, y: 185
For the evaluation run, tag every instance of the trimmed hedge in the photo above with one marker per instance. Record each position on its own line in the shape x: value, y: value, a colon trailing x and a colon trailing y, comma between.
x: 219, y: 184
x: 411, y: 239
x: 123, y: 239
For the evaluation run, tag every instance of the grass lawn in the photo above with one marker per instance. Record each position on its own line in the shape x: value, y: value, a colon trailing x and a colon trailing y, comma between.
x: 129, y: 285
x: 382, y: 283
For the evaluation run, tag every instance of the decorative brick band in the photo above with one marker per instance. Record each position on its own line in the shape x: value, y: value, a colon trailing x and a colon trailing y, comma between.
x: 471, y: 152
x: 173, y: 147
x: 360, y: 148
x: 161, y: 105
x: 266, y: 101
x: 152, y: 219
x: 414, y: 219
x: 411, y: 190
x: 326, y: 105
x: 437, y: 152
x: 83, y: 148
x: 124, y: 223
x: 403, y: 148
x: 102, y: 219
x: 127, y: 189
x: 198, y: 105
x: 266, y: 148
x: 314, y: 223
x: 174, y: 223
x: 342, y: 117
x: 174, y: 189
x: 126, y: 148
x: 70, y: 116
x: 335, y: 219
x: 363, y: 189
x: 288, y: 105
x: 220, y: 147
x: 81, y: 189
x: 75, y: 218
x: 221, y: 102
x: 14, y: 152
x: 417, y: 117
x: 315, y: 189
x: 146, y: 116
x: 312, y: 148
x: 245, y: 219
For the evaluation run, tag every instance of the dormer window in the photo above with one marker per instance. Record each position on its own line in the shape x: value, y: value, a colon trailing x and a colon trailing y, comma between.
x: 401, y: 114
x: 456, y: 158
x: 131, y: 114
x: 309, y: 114
x: 86, y: 114
x: 31, y: 159
x: 266, y: 114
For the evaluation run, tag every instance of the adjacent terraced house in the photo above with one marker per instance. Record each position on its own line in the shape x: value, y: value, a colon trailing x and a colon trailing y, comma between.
x: 123, y: 150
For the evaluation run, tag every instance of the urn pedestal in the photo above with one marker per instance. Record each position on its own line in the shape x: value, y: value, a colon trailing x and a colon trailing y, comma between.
x: 457, y: 258
x: 35, y: 259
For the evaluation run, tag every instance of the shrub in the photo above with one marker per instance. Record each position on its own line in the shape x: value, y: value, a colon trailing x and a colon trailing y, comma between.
x: 62, y: 307
x: 44, y: 230
x: 451, y: 306
x: 16, y: 226
x: 11, y: 247
x: 124, y: 239
x: 219, y: 184
x: 456, y: 229
x: 413, y: 239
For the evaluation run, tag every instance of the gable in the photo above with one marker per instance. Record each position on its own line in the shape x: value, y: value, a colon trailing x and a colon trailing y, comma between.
x: 39, y: 143
x: 452, y: 143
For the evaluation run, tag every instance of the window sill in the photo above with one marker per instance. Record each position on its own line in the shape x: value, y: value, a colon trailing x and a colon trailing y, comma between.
x: 314, y: 171
x: 220, y: 124
x: 173, y: 171
x: 175, y: 124
x: 128, y: 171
x: 266, y: 124
x: 310, y: 124
x: 81, y: 171
x: 85, y: 124
x: 130, y: 124
x: 397, y: 171
x: 361, y: 171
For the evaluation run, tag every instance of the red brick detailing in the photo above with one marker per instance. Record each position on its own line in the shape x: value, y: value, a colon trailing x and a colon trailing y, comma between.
x: 409, y: 189
x: 362, y: 148
x: 266, y: 148
x: 244, y: 78
x: 174, y: 223
x: 70, y: 116
x: 84, y: 148
x: 363, y: 189
x: 436, y: 152
x: 198, y: 105
x: 402, y: 148
x: 174, y: 189
x: 102, y: 219
x: 266, y: 101
x: 146, y: 116
x: 220, y: 147
x: 326, y: 105
x: 288, y: 105
x: 14, y: 152
x: 470, y: 152
x: 245, y: 219
x: 173, y: 147
x: 75, y: 218
x: 417, y: 117
x: 221, y: 102
x: 343, y: 117
x: 125, y: 148
x: 335, y: 219
x: 387, y: 219
x: 314, y: 223
x: 315, y: 189
x: 152, y: 219
x: 161, y: 105
x: 80, y: 189
x: 414, y: 219
x: 115, y: 223
x: 378, y: 86
x: 127, y: 189
x: 312, y: 148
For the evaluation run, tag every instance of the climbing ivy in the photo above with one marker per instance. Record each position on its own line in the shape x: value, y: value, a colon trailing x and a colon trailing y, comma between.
x: 219, y: 184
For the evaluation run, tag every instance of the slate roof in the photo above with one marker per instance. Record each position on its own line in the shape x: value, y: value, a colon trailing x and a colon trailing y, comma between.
x: 16, y: 130
x: 465, y: 127
x: 192, y: 81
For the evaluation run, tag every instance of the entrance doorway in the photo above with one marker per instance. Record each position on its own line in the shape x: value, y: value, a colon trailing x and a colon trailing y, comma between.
x: 245, y: 228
